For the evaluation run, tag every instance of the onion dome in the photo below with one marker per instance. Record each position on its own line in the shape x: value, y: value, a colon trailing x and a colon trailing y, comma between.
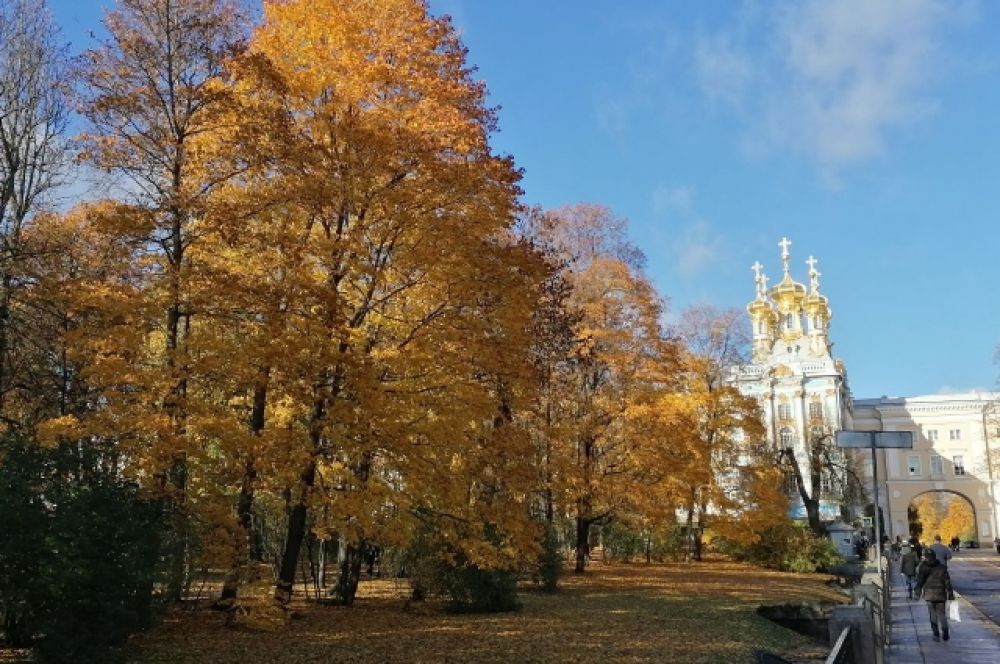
x: 815, y: 303
x: 788, y: 294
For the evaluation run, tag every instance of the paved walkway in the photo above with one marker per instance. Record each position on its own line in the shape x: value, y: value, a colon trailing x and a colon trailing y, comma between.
x: 975, y: 639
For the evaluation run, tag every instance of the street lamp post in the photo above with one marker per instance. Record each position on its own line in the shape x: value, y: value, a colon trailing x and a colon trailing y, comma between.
x: 874, y: 440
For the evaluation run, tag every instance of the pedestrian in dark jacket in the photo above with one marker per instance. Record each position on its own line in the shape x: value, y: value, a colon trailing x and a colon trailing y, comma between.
x: 918, y: 548
x: 908, y: 566
x: 934, y: 585
x: 942, y: 552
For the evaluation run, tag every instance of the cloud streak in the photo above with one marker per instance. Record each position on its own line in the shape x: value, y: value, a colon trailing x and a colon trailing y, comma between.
x: 829, y: 80
x: 695, y: 245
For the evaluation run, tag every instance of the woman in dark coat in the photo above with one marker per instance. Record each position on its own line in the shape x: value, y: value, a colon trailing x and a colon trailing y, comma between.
x: 908, y: 566
x: 934, y: 585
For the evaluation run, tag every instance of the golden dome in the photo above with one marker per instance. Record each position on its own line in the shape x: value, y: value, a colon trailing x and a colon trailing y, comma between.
x: 788, y: 291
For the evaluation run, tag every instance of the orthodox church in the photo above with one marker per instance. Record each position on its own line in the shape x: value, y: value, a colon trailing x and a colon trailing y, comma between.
x: 805, y: 397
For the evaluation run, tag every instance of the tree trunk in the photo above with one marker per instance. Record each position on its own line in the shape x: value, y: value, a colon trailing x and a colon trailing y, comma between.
x: 582, y: 544
x: 246, y: 549
x: 5, y: 284
x: 812, y: 515
x: 321, y: 580
x: 293, y: 537
x: 350, y: 574
x: 690, y: 530
x: 297, y: 515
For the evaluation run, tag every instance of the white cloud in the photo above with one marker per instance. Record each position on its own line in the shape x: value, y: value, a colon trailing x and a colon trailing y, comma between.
x: 669, y: 199
x: 724, y: 73
x: 612, y: 116
x: 696, y: 249
x: 694, y: 245
x: 830, y: 80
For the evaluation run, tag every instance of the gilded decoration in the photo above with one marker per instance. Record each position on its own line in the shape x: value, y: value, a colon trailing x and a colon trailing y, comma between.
x: 782, y: 371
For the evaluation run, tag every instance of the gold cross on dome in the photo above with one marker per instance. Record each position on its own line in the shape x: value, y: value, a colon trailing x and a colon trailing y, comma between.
x: 784, y: 244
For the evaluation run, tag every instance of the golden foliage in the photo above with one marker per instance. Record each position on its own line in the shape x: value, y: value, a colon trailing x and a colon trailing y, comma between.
x: 321, y: 289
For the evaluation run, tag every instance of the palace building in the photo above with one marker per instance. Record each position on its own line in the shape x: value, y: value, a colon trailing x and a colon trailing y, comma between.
x: 956, y: 449
x: 805, y: 399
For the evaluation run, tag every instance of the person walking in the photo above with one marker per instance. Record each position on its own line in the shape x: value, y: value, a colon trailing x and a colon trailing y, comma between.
x: 908, y: 566
x: 918, y: 548
x: 934, y: 586
x: 896, y: 548
x: 942, y: 552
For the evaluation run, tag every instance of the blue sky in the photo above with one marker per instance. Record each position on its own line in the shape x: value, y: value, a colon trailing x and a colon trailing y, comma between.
x: 868, y: 132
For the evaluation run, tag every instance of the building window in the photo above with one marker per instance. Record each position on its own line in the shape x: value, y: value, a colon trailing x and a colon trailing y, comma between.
x: 816, y: 410
x: 817, y: 323
x: 932, y: 434
x: 959, y: 464
x: 816, y: 434
x: 954, y: 434
x: 936, y: 469
x: 913, y: 465
x: 825, y: 485
x: 784, y: 411
x: 787, y: 438
x: 760, y: 327
x: 788, y: 321
x: 791, y: 484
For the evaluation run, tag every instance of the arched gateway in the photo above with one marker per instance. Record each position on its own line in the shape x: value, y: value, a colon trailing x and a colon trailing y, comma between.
x: 945, y: 513
x: 955, y: 450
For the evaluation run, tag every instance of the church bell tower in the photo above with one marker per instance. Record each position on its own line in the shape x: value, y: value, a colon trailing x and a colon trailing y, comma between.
x: 801, y: 387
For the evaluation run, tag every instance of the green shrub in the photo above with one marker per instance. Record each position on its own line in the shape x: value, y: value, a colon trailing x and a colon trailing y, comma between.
x: 78, y: 555
x: 788, y: 547
x: 24, y: 522
x: 623, y: 543
x: 437, y: 567
x: 550, y: 562
x: 103, y: 545
x: 472, y: 589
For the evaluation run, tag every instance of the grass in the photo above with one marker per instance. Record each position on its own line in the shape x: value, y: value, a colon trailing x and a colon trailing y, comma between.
x: 697, y: 613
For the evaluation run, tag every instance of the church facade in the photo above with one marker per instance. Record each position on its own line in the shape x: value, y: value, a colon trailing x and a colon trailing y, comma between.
x: 802, y: 389
x: 805, y: 399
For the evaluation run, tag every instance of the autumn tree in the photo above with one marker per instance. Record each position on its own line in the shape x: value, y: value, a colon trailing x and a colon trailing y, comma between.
x: 152, y: 97
x: 393, y: 206
x: 615, y: 360
x: 721, y: 425
x: 927, y: 514
x: 822, y: 472
x: 33, y: 115
x: 959, y: 520
x: 943, y: 513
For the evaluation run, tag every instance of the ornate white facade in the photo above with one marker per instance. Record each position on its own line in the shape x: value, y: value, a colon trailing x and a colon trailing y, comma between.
x: 803, y: 392
x: 801, y: 387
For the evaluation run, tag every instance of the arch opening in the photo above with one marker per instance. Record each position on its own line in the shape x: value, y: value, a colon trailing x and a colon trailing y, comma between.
x: 941, y: 512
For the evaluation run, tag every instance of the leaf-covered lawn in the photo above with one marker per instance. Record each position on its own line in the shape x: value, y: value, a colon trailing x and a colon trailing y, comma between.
x: 690, y: 613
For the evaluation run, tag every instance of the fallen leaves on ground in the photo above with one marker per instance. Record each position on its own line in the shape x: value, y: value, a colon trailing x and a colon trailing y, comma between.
x: 695, y: 613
